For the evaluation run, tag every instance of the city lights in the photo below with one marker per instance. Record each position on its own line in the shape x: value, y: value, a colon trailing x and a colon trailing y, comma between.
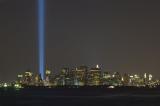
x: 5, y: 85
x: 83, y: 76
x: 17, y: 86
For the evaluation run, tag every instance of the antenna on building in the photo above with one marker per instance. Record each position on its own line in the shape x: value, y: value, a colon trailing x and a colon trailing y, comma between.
x: 97, y: 66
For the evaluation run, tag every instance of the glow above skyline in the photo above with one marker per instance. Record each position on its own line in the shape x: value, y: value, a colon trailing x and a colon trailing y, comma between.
x: 120, y: 36
x: 41, y: 37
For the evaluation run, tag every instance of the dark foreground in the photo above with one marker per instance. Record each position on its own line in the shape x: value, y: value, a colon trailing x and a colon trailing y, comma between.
x: 80, y: 97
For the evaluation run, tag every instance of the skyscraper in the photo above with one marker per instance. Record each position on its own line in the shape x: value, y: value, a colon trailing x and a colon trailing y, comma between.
x: 94, y: 75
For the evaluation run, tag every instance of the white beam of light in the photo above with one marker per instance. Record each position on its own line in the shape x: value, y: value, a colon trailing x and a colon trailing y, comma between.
x: 41, y: 37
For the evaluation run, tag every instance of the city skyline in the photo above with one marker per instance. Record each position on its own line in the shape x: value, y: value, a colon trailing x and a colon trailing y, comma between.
x: 82, y: 76
x: 119, y: 36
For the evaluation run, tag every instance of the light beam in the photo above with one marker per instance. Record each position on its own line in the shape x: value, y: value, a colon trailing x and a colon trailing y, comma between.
x: 41, y: 37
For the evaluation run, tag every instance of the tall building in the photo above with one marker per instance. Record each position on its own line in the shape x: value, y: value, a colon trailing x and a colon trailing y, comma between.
x: 63, y: 78
x: 47, y: 81
x: 48, y: 75
x: 28, y: 77
x: 63, y: 75
x: 94, y: 76
x: 116, y: 79
x: 67, y: 76
x: 38, y: 80
x: 125, y: 79
x: 79, y: 75
x: 20, y: 78
x: 150, y: 77
x: 106, y: 78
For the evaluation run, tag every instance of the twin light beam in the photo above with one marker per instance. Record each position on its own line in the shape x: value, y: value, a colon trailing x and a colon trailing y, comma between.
x: 41, y: 37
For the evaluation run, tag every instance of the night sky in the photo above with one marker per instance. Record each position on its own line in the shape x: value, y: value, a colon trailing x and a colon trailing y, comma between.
x: 119, y: 35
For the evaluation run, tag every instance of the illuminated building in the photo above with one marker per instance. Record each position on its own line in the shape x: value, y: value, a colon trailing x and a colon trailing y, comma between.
x: 94, y: 75
x: 55, y: 80
x: 150, y: 77
x: 145, y: 75
x: 66, y: 76
x: 79, y: 76
x: 5, y: 85
x: 38, y: 80
x: 125, y: 79
x: 47, y: 78
x: 63, y: 75
x: 116, y: 75
x: 146, y: 78
x: 28, y: 77
x: 63, y: 78
x: 48, y: 75
x: 64, y: 71
x: 106, y: 78
x: 137, y: 80
x: 116, y: 79
x: 106, y: 75
x: 17, y: 86
x: 19, y: 78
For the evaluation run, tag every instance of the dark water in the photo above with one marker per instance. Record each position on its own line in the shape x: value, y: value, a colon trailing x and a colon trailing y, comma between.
x: 80, y: 97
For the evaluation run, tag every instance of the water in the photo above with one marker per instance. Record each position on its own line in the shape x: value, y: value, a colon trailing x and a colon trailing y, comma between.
x: 80, y: 97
